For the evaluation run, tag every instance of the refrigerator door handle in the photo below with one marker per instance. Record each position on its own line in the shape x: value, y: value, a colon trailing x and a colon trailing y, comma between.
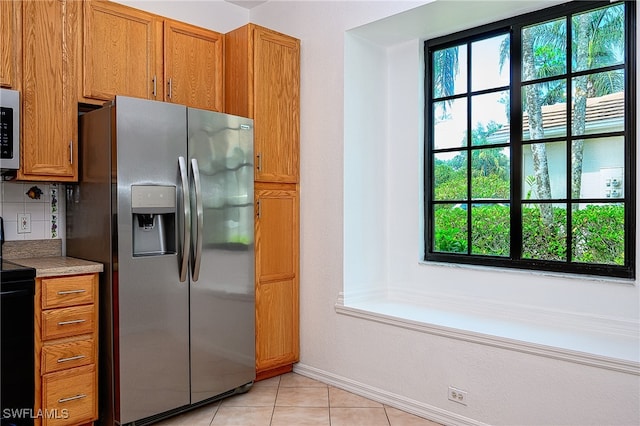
x: 186, y: 220
x: 195, y: 267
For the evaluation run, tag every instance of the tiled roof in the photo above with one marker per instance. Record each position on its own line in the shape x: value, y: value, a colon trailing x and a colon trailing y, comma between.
x: 602, y: 108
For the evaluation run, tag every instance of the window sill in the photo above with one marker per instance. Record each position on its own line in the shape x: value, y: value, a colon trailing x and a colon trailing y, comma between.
x: 610, y: 349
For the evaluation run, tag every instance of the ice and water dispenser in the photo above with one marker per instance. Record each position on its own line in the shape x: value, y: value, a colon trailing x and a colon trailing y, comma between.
x: 154, y: 215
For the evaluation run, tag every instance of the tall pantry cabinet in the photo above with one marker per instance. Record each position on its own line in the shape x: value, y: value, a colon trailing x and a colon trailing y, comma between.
x: 262, y: 81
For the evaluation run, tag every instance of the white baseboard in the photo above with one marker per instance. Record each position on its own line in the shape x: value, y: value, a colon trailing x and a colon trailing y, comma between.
x: 400, y: 402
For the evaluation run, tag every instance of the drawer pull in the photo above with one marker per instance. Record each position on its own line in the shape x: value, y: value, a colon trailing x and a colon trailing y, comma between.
x: 71, y: 322
x: 72, y: 398
x: 71, y: 358
x: 62, y: 293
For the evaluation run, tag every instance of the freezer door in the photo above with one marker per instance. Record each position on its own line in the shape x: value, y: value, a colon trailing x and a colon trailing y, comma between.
x: 152, y: 335
x: 222, y: 293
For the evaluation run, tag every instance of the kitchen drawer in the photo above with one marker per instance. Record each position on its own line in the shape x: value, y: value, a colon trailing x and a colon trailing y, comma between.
x: 69, y: 396
x: 65, y: 322
x: 68, y: 291
x: 67, y: 355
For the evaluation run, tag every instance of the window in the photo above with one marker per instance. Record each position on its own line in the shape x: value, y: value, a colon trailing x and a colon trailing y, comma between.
x: 530, y: 142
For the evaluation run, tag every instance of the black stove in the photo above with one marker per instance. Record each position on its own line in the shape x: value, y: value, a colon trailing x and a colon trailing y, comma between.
x: 13, y: 272
x: 17, y: 388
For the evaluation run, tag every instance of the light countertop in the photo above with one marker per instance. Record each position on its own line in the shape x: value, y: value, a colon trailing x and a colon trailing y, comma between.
x: 59, y: 265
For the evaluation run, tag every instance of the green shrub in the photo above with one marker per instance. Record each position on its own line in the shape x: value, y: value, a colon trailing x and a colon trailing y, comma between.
x: 597, y: 233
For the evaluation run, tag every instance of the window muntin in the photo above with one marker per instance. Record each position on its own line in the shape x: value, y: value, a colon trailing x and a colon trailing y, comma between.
x: 565, y: 118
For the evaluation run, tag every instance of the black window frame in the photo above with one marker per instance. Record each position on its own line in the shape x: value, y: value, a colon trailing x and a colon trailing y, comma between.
x: 514, y: 260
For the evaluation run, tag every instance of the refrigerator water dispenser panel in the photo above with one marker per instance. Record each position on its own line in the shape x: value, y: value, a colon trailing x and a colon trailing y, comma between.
x: 154, y: 214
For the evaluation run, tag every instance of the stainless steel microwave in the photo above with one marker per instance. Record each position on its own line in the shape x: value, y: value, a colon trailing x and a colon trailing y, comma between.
x: 9, y: 129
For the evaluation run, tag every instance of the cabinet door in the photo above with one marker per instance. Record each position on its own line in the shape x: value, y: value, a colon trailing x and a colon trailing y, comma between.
x: 277, y: 305
x: 120, y: 52
x: 74, y: 392
x: 276, y: 106
x: 193, y: 68
x: 9, y: 48
x: 49, y: 91
x: 276, y: 325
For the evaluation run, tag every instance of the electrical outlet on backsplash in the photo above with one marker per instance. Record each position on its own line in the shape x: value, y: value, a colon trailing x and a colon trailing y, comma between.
x: 38, y: 205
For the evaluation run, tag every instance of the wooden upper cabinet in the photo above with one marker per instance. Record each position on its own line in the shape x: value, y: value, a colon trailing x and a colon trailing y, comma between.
x: 193, y: 68
x: 10, y: 46
x: 262, y: 81
x: 49, y: 145
x: 135, y: 53
x: 122, y: 52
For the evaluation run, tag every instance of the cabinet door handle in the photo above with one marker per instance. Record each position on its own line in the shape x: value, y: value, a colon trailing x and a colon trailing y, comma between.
x: 170, y: 84
x: 72, y: 398
x: 71, y: 152
x: 71, y: 322
x: 62, y: 293
x: 155, y: 82
x: 259, y: 162
x: 258, y: 210
x: 71, y: 358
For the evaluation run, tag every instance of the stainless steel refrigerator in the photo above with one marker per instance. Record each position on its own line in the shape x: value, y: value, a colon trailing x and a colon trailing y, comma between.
x: 165, y: 202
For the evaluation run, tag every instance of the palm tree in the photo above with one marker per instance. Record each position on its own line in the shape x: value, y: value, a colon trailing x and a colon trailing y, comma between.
x: 445, y: 70
x: 532, y: 38
x: 598, y: 36
x: 597, y: 39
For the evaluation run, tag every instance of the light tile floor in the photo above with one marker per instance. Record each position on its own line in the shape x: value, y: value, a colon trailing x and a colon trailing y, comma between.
x: 295, y: 400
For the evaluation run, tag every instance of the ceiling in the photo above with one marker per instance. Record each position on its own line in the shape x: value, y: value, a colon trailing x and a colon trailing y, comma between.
x: 247, y: 4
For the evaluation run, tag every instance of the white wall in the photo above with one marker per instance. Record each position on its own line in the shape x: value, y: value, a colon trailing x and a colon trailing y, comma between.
x: 216, y: 15
x: 365, y: 186
x: 355, y: 160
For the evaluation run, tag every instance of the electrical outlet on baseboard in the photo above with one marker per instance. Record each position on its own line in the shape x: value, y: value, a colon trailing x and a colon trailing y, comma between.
x: 457, y: 395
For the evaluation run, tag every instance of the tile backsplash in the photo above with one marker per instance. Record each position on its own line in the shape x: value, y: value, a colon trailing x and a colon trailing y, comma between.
x: 44, y: 204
